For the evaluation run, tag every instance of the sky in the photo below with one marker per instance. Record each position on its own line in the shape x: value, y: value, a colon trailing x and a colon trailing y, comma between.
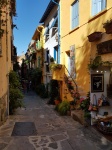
x: 29, y: 13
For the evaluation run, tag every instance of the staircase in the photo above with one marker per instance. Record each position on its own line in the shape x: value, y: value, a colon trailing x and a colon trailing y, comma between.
x: 70, y: 86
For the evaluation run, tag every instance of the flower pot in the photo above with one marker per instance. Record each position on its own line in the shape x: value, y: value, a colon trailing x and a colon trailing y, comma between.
x: 108, y: 29
x: 68, y: 113
x: 56, y: 102
x: 95, y: 36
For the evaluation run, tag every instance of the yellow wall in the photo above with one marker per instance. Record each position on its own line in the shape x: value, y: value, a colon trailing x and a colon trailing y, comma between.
x: 5, y: 66
x: 78, y: 37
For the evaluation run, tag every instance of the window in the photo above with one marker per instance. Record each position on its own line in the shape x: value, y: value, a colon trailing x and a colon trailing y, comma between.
x: 56, y: 54
x: 54, y: 25
x: 75, y: 14
x: 47, y: 60
x: 98, y: 6
x: 47, y: 33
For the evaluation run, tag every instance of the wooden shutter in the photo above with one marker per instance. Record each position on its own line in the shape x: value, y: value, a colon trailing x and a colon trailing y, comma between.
x: 58, y: 55
x: 72, y: 61
x: 103, y: 4
x: 54, y: 54
x: 94, y: 7
x: 75, y: 14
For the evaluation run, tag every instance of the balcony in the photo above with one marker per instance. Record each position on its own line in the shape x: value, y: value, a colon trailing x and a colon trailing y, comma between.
x: 58, y: 72
x: 38, y: 45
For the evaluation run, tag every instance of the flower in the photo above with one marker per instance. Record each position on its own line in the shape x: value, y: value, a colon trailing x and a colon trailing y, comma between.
x: 81, y: 99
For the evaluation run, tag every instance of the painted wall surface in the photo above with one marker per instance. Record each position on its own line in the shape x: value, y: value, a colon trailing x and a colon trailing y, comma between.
x: 49, y: 44
x: 5, y: 67
x: 79, y: 37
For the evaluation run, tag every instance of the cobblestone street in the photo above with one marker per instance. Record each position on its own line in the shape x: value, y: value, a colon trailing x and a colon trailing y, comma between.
x: 39, y: 127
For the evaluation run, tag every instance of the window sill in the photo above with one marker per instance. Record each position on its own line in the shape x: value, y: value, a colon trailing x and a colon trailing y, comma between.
x: 74, y: 30
x: 97, y: 15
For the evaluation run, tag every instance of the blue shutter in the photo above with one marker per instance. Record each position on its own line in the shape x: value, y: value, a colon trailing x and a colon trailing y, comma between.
x: 73, y: 14
x: 94, y: 7
x: 103, y: 4
x: 77, y: 13
x: 54, y: 54
x: 99, y: 6
x: 58, y: 55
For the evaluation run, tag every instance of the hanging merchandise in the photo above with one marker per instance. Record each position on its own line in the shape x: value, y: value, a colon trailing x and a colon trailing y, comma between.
x: 105, y: 101
x: 93, y: 104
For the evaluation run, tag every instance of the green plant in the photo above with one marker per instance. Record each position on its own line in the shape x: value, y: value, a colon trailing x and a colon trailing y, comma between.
x: 35, y: 76
x: 85, y: 103
x: 53, y: 91
x: 95, y: 63
x: 51, y: 59
x: 63, y: 107
x: 42, y: 90
x: 107, y: 23
x: 55, y: 66
x: 15, y: 94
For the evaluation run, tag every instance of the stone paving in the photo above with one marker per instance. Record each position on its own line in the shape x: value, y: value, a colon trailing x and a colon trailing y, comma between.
x: 53, y: 132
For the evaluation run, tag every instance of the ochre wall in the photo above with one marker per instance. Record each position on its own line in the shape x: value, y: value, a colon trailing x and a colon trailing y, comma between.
x: 5, y: 67
x: 79, y: 37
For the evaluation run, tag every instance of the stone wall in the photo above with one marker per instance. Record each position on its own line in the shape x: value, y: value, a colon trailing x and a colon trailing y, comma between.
x: 3, y: 108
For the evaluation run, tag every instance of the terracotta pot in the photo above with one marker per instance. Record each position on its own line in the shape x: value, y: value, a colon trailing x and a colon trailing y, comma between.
x: 95, y: 36
x: 68, y: 113
x: 108, y: 29
x: 56, y: 102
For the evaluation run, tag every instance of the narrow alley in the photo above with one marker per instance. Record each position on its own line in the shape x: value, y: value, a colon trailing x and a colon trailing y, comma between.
x: 39, y: 127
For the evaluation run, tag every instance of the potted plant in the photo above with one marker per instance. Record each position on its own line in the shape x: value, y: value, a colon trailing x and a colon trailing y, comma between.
x: 54, y: 66
x: 64, y: 107
x: 108, y: 26
x: 95, y: 63
x: 95, y: 36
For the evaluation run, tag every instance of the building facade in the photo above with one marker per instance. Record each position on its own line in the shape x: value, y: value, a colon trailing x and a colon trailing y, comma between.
x: 6, y: 57
x: 83, y: 38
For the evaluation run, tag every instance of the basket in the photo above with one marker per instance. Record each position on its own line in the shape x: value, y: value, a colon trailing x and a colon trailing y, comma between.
x: 105, y: 125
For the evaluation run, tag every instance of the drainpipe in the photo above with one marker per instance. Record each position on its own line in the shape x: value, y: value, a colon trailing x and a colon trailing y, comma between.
x: 58, y: 29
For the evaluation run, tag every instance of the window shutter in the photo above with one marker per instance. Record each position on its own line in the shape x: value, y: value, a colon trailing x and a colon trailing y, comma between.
x: 58, y: 54
x: 99, y: 6
x: 94, y: 7
x: 103, y: 4
x: 54, y: 54
x: 73, y: 16
x: 77, y: 13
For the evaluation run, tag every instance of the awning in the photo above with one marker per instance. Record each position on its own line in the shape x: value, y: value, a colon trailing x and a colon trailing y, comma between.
x: 53, y: 23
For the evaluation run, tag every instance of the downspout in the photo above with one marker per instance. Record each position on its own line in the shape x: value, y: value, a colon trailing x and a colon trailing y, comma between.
x: 58, y: 29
